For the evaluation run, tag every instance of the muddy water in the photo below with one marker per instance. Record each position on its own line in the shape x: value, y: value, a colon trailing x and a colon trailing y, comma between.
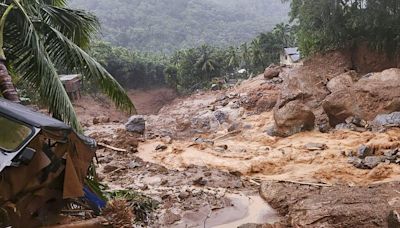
x: 282, y: 159
x: 251, y: 209
x: 243, y: 210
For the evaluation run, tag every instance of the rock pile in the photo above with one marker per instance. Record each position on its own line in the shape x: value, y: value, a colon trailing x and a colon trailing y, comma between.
x: 344, y: 101
x: 366, y: 158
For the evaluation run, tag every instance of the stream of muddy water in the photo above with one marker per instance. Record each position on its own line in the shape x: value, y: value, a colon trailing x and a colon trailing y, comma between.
x: 243, y: 210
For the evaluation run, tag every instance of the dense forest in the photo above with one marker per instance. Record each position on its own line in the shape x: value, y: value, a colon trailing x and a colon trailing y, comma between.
x: 166, y: 26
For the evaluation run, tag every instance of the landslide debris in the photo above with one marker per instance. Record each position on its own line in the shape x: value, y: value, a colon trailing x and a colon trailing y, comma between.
x: 322, y: 139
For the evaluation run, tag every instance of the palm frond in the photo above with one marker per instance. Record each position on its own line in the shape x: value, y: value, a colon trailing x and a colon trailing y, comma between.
x: 76, y: 25
x: 65, y: 53
x: 42, y: 37
x: 34, y: 65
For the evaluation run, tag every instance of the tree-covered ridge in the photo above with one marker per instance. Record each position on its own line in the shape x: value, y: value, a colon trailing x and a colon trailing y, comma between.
x: 166, y: 26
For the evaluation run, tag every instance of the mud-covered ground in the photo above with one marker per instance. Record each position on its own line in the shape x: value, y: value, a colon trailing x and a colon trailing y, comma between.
x: 208, y: 160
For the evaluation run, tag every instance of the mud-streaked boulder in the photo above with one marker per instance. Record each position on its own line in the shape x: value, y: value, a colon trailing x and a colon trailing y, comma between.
x: 341, y: 82
x: 293, y: 118
x: 272, y: 71
x: 373, y: 94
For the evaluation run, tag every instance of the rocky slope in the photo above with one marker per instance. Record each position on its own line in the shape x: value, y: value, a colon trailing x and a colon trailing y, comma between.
x: 314, y: 138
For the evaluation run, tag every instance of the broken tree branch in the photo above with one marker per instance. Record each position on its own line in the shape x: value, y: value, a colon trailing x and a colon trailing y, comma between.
x: 111, y: 147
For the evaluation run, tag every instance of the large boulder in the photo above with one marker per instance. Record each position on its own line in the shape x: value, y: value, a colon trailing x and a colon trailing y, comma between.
x: 341, y: 82
x: 339, y: 106
x: 293, y: 118
x: 272, y: 71
x: 302, y: 84
x: 136, y: 124
x: 373, y: 94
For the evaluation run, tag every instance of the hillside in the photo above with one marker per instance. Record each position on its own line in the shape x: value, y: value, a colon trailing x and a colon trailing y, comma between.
x: 164, y: 26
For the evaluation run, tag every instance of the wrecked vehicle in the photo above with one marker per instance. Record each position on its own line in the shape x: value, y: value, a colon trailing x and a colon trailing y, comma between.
x: 43, y: 164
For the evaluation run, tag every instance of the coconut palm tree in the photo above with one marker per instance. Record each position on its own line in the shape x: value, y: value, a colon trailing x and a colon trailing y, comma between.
x: 206, y: 62
x: 233, y: 58
x: 245, y: 56
x: 37, y: 37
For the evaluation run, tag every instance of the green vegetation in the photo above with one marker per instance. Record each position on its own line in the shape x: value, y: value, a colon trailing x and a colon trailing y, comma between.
x: 324, y: 25
x: 40, y: 38
x: 167, y: 26
x: 193, y: 68
x: 130, y: 68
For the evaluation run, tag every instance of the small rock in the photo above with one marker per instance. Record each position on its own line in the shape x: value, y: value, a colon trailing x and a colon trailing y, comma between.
x: 316, y: 146
x: 364, y: 151
x: 349, y: 153
x: 356, y: 121
x: 101, y: 119
x: 171, y: 218
x: 133, y: 149
x: 134, y: 164
x: 167, y: 140
x: 234, y: 105
x: 271, y: 131
x: 224, y: 103
x: 390, y: 153
x: 236, y: 173
x: 184, y: 195
x: 136, y: 124
x: 372, y: 161
x: 233, y: 127
x: 109, y: 168
x: 356, y: 162
x: 393, y: 219
x: 200, y: 182
x: 143, y: 187
x: 232, y: 95
x: 164, y: 182
x: 161, y: 147
x: 390, y: 158
x: 152, y: 181
x: 277, y: 80
x: 220, y: 116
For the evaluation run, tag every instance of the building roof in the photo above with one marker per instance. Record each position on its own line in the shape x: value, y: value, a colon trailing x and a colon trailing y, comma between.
x: 24, y: 114
x: 293, y: 53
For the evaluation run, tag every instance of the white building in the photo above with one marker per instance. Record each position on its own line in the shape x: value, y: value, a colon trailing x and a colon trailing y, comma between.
x: 291, y: 57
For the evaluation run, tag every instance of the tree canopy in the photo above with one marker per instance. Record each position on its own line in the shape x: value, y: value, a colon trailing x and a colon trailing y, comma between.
x: 324, y: 25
